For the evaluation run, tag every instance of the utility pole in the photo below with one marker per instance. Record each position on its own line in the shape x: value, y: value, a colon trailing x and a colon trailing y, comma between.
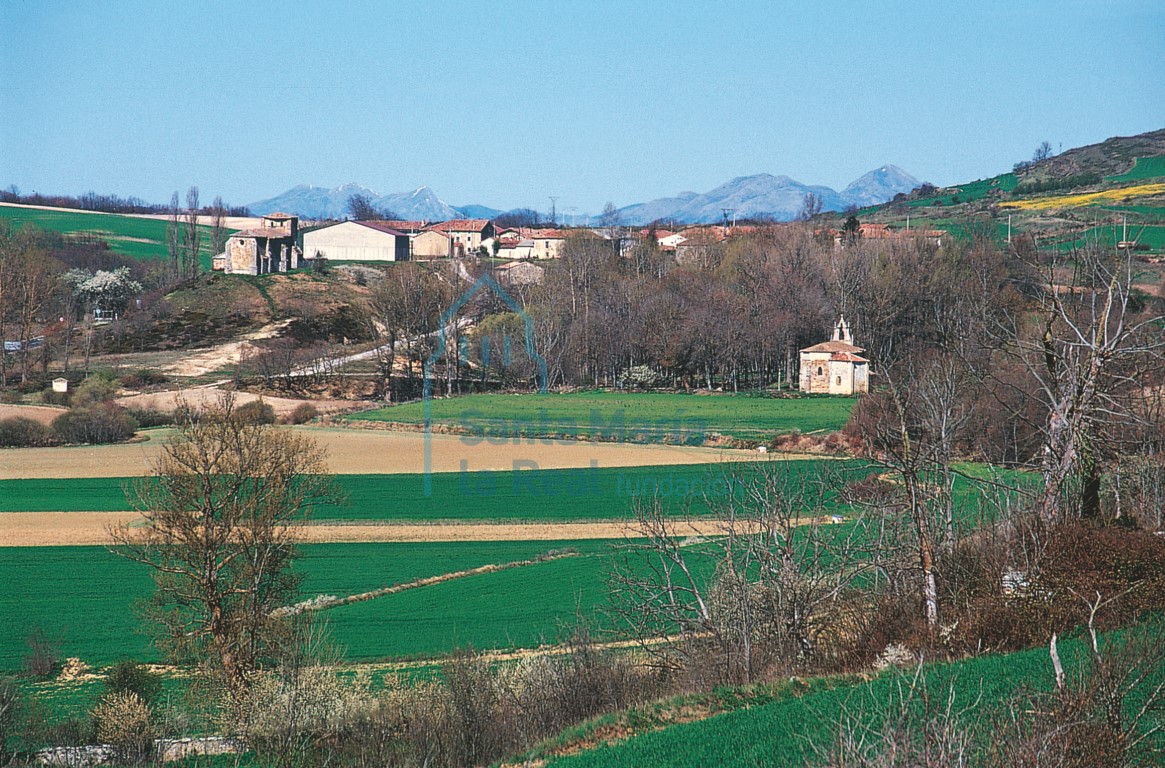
x: 1009, y: 229
x: 554, y: 209
x: 572, y: 210
x: 729, y: 212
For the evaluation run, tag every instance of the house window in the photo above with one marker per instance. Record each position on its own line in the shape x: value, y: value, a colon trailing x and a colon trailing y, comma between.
x: 839, y: 380
x: 820, y: 371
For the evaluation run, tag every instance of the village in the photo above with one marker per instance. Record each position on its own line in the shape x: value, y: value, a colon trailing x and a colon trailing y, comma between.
x: 326, y: 441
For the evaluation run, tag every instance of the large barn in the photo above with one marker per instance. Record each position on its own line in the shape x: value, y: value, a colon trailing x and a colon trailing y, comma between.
x: 835, y: 367
x: 356, y: 241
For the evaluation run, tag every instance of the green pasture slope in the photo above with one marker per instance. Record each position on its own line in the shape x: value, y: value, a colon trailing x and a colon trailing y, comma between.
x: 975, y: 190
x: 1107, y: 236
x: 1143, y: 168
x: 127, y: 235
x: 784, y: 732
x: 83, y: 597
x: 506, y: 496
x: 628, y: 417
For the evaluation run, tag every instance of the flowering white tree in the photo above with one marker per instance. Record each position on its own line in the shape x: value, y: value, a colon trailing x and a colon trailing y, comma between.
x: 107, y: 292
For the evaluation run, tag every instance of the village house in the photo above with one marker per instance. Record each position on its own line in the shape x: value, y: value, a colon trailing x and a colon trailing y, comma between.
x: 356, y: 241
x: 268, y: 248
x: 431, y: 244
x: 546, y: 243
x: 835, y: 367
x: 883, y: 232
x: 466, y: 236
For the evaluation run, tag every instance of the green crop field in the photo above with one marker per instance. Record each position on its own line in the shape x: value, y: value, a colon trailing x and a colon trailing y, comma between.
x: 1143, y: 168
x: 627, y: 417
x: 532, y: 495
x: 83, y: 597
x: 1109, y: 235
x: 127, y: 235
x: 785, y: 732
x: 520, y: 608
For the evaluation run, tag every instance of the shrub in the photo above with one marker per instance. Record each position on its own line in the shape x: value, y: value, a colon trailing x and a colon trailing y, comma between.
x: 1079, y: 560
x: 255, y: 412
x: 43, y: 656
x: 22, y: 432
x: 303, y: 413
x: 10, y: 701
x: 131, y: 677
x: 95, y: 425
x: 94, y: 389
x: 143, y: 378
x: 151, y: 417
x: 49, y: 397
x: 125, y: 722
x: 277, y: 710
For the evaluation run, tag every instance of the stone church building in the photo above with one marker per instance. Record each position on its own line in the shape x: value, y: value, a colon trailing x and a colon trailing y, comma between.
x: 835, y: 367
x: 265, y: 249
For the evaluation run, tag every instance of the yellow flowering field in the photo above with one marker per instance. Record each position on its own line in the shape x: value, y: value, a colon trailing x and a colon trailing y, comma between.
x: 1087, y: 198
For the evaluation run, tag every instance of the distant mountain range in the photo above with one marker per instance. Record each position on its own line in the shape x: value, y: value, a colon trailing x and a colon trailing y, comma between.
x: 778, y: 197
x: 323, y: 203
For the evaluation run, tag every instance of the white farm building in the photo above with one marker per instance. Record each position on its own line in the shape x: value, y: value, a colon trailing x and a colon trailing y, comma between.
x: 356, y: 241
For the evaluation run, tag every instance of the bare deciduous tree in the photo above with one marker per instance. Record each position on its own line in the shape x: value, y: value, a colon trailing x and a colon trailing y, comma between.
x: 218, y: 228
x: 191, y: 235
x: 222, y: 505
x: 1094, y: 363
x: 756, y: 597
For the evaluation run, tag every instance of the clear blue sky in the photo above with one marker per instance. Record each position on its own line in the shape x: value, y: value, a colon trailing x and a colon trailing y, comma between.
x: 506, y: 103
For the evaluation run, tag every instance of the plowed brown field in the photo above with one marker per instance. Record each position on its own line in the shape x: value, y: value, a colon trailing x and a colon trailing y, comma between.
x: 44, y: 529
x: 373, y: 451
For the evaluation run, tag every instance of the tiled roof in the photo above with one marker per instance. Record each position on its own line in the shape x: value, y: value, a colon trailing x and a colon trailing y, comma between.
x: 702, y: 236
x: 834, y: 346
x: 404, y: 225
x: 460, y: 225
x: 280, y: 215
x: 847, y: 357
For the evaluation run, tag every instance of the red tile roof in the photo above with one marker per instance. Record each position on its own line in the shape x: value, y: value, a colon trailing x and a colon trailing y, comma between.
x: 405, y: 225
x: 847, y: 357
x: 834, y: 346
x: 460, y: 225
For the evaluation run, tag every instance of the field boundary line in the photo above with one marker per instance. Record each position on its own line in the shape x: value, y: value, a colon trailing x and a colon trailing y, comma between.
x: 324, y: 602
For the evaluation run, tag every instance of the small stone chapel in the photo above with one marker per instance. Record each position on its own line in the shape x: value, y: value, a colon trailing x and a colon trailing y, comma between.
x: 835, y: 367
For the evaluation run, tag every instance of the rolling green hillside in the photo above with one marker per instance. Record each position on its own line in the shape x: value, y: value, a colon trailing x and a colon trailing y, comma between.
x: 791, y: 730
x: 128, y: 235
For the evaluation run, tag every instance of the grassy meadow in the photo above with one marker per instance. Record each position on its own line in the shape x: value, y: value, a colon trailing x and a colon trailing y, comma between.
x: 627, y: 417
x: 1143, y: 168
x: 807, y: 717
x: 128, y: 235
